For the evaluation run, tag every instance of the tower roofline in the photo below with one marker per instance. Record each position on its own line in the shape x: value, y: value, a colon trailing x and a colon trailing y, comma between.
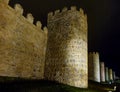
x: 65, y: 9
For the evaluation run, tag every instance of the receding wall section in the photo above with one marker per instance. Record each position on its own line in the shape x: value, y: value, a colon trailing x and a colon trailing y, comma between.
x: 22, y: 44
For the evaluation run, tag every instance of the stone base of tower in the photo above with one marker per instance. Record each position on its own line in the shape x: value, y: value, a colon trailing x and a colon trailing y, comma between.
x: 69, y: 78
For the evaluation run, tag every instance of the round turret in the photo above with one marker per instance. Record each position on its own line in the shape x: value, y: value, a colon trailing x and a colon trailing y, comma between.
x: 66, y: 56
x: 94, y: 66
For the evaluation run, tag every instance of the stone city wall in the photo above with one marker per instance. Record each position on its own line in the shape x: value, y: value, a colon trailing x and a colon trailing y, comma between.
x: 66, y: 57
x: 22, y: 44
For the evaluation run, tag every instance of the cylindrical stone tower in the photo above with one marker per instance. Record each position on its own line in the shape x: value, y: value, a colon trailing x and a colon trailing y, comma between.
x: 102, y: 71
x: 110, y: 75
x: 106, y: 74
x: 114, y: 76
x: 66, y: 57
x: 94, y: 66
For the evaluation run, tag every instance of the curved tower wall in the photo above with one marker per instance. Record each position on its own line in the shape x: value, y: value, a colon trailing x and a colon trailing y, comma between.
x: 66, y: 59
x: 94, y: 66
x: 102, y: 71
x: 106, y: 74
x: 114, y: 76
x: 110, y: 75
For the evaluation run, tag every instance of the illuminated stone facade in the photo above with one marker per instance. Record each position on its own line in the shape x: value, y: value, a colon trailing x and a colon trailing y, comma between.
x: 66, y: 56
x: 22, y: 44
x: 94, y: 66
x: 106, y: 74
x: 110, y: 74
x: 114, y: 75
x: 102, y: 72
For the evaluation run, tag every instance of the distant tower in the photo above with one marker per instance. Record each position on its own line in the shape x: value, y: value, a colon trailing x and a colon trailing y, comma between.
x: 66, y: 59
x: 102, y: 71
x: 106, y: 74
x: 94, y: 66
x: 114, y: 76
x: 110, y: 75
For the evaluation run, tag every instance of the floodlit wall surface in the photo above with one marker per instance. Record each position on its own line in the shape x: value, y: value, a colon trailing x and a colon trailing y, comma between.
x: 102, y: 71
x: 110, y: 74
x: 66, y: 56
x: 106, y: 74
x: 94, y: 66
x: 22, y: 44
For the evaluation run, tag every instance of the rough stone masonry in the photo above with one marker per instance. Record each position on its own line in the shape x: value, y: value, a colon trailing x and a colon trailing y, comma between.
x: 94, y: 66
x: 23, y: 46
x: 67, y: 47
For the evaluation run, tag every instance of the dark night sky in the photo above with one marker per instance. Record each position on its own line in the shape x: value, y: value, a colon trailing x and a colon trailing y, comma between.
x: 103, y: 24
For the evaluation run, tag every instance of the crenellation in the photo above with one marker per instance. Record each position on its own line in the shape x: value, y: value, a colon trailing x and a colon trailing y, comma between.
x: 60, y: 54
x: 39, y: 24
x: 45, y: 30
x: 94, y: 53
x: 56, y: 12
x: 18, y: 8
x: 73, y: 8
x: 64, y: 36
x: 81, y: 11
x: 64, y: 9
x: 90, y: 53
x: 50, y: 14
x: 30, y: 18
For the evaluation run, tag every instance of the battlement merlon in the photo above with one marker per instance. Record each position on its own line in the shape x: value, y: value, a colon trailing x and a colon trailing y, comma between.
x: 64, y: 9
x: 73, y: 8
x: 5, y: 1
x: 52, y: 15
x: 39, y: 24
x: 94, y: 53
x: 45, y: 29
x: 102, y: 63
x: 18, y: 8
x: 19, y: 11
x: 39, y: 27
x: 30, y: 18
